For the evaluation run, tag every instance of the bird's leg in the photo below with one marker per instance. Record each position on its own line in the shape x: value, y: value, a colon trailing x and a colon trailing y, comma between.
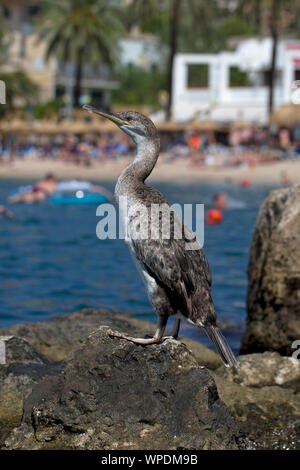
x: 176, y: 328
x: 157, y: 338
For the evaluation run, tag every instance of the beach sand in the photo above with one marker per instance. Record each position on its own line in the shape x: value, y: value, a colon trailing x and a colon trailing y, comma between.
x: 180, y: 170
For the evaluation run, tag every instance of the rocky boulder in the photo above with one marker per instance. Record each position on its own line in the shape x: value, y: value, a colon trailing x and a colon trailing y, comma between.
x: 22, y: 368
x: 264, y: 397
x: 273, y: 301
x: 57, y: 339
x: 113, y: 394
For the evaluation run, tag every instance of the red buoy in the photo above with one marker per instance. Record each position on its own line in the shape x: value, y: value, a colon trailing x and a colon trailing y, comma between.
x: 213, y: 217
x: 245, y: 183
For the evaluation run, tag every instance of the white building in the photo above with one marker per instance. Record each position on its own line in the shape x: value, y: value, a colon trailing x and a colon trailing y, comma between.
x: 142, y: 50
x: 205, y: 85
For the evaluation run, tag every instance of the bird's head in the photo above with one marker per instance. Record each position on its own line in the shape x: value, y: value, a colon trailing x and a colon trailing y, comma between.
x: 136, y: 125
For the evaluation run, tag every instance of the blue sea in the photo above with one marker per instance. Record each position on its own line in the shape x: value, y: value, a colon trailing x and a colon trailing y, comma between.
x: 52, y: 263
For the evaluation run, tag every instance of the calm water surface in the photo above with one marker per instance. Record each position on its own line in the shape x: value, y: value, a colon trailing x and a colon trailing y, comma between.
x: 52, y: 263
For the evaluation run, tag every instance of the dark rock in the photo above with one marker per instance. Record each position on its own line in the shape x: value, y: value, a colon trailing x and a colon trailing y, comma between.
x: 264, y: 397
x: 23, y: 368
x: 19, y: 350
x: 59, y: 338
x: 273, y: 305
x: 117, y: 395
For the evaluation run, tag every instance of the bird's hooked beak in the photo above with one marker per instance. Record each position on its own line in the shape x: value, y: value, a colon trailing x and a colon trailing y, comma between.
x: 119, y: 122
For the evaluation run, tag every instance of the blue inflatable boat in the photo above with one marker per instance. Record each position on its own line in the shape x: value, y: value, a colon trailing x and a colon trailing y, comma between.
x: 76, y: 192
x: 80, y: 197
x: 71, y: 192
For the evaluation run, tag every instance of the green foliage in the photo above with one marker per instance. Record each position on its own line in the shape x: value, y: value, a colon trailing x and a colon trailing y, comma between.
x: 18, y: 86
x: 49, y: 109
x: 89, y: 28
x: 269, y: 16
x: 4, y: 40
x: 204, y: 26
x: 138, y: 86
x: 197, y: 20
x: 239, y: 78
x: 151, y: 16
x: 235, y: 26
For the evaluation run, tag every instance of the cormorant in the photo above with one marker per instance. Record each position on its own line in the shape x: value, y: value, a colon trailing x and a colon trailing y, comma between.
x: 177, y: 279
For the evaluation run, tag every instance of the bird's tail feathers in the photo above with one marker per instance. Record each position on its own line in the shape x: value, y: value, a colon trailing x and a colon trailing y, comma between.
x: 221, y: 345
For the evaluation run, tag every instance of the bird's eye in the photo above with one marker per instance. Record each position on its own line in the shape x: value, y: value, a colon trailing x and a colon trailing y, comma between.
x: 129, y: 118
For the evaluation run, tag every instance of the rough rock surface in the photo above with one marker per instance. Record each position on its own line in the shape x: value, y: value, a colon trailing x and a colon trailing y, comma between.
x: 273, y: 301
x: 116, y: 395
x: 58, y: 338
x: 24, y: 367
x: 264, y: 397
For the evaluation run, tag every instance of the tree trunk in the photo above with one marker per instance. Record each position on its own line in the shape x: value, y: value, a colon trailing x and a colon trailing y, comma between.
x: 274, y: 35
x: 174, y: 26
x: 257, y: 15
x: 272, y: 74
x: 78, y: 78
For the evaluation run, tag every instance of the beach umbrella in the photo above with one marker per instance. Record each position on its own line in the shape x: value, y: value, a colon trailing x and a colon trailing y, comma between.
x: 288, y: 115
x: 73, y: 127
x: 93, y: 124
x: 207, y: 125
x: 68, y: 126
x: 241, y: 125
x: 99, y: 125
x: 45, y: 127
x: 14, y: 126
x: 170, y: 126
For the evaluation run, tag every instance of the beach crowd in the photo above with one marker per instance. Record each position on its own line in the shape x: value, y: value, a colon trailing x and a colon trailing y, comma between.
x: 238, y: 147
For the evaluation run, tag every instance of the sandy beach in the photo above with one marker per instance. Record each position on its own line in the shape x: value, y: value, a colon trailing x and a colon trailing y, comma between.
x: 179, y: 170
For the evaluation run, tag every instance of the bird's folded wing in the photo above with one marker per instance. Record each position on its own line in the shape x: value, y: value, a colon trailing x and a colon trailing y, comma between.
x: 177, y: 270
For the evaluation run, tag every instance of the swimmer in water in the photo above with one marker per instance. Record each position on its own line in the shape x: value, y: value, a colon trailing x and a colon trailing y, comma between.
x: 38, y: 192
x: 6, y: 213
x: 47, y: 186
x: 220, y: 201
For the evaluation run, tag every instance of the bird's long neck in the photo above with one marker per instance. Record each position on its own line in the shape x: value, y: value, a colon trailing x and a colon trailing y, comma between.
x: 147, y: 151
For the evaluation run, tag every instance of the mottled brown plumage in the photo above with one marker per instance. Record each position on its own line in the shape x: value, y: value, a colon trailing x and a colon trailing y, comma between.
x: 177, y: 279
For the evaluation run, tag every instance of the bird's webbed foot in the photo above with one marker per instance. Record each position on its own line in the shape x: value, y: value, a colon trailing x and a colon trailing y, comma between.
x: 142, y: 341
x: 156, y: 339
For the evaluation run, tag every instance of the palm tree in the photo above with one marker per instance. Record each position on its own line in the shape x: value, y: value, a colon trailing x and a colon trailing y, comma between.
x: 81, y: 31
x: 173, y: 41
x: 175, y: 13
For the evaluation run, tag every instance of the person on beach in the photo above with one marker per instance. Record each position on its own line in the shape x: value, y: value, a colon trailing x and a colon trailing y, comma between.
x: 285, y: 178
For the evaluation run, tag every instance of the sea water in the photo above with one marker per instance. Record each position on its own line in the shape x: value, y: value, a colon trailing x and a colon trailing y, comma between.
x: 52, y: 263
